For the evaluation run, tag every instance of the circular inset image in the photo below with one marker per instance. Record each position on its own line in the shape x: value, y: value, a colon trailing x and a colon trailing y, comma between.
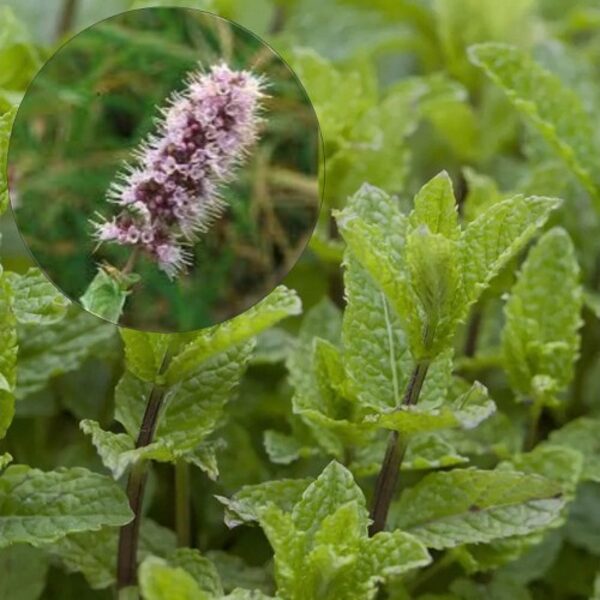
x: 164, y: 169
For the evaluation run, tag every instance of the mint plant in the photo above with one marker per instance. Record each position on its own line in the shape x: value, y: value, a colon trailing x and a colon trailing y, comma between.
x: 414, y: 414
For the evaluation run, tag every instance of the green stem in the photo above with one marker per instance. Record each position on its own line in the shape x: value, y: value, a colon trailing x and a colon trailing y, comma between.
x: 182, y: 503
x: 396, y: 448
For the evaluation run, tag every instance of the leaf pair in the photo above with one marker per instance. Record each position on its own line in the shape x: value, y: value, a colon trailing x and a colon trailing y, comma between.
x: 198, y: 380
x: 319, y: 535
x: 430, y: 269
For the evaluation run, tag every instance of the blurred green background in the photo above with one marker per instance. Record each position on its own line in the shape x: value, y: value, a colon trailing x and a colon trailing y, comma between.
x: 95, y: 99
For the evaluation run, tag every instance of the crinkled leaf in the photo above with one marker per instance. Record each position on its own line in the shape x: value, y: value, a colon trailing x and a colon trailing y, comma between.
x: 39, y: 507
x: 45, y: 352
x: 334, y: 487
x: 247, y: 504
x: 278, y: 305
x: 114, y: 448
x: 193, y: 409
x: 430, y: 451
x: 375, y: 231
x: 448, y: 509
x: 563, y: 464
x: 553, y: 108
x: 466, y: 411
x: 432, y: 261
x: 389, y: 553
x: 322, y: 548
x: 196, y: 406
x: 496, y: 236
x: 339, y: 97
x: 540, y: 340
x: 376, y: 356
x: 35, y: 300
x: 435, y: 208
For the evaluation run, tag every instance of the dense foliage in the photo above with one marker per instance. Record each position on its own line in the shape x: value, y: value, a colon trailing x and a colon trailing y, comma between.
x: 415, y: 413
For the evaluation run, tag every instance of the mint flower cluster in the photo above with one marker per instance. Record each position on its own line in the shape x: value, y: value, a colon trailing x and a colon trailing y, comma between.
x: 170, y: 194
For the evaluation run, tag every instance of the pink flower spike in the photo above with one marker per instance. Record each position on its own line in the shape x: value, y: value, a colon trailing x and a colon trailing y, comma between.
x: 171, y: 192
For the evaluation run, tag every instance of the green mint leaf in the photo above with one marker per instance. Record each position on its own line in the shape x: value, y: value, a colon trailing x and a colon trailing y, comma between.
x: 563, y: 464
x: 430, y: 451
x: 322, y: 548
x: 45, y: 352
x: 466, y: 411
x: 540, y: 340
x: 339, y: 98
x: 496, y: 236
x: 35, y: 300
x: 435, y: 208
x: 435, y: 279
x: 323, y: 321
x: 333, y: 488
x: 105, y: 296
x: 278, y: 305
x: 553, y: 108
x: 246, y: 504
x: 376, y: 355
x: 39, y: 507
x: 448, y: 509
x: 375, y: 231
x: 144, y: 352
x: 159, y: 580
x: 560, y: 464
x: 582, y: 435
x: 195, y: 407
x: 389, y: 554
x: 8, y: 357
x: 114, y: 449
